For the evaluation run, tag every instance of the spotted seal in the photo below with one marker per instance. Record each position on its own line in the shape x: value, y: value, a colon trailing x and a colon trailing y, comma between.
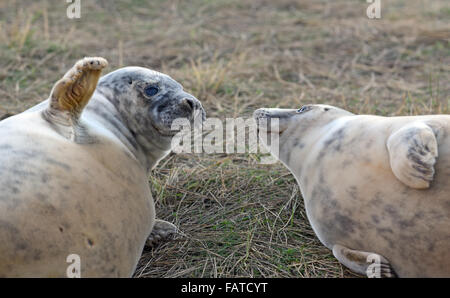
x: 74, y: 171
x: 376, y: 189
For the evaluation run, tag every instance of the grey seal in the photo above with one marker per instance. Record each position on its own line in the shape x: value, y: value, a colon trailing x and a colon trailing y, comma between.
x: 375, y: 188
x: 74, y: 171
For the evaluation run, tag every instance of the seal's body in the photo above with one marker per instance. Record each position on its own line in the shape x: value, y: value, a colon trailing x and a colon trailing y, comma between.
x: 375, y: 188
x: 74, y: 179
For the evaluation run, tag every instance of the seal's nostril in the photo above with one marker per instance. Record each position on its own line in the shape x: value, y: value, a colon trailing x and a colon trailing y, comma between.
x: 189, y: 102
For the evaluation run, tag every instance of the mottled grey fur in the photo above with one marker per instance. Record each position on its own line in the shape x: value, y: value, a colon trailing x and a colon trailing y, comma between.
x: 87, y: 194
x: 355, y: 203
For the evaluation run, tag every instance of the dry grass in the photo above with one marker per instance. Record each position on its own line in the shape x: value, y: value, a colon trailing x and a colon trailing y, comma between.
x: 239, y: 218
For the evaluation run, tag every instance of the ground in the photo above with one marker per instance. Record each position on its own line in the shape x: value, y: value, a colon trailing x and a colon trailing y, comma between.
x: 238, y: 218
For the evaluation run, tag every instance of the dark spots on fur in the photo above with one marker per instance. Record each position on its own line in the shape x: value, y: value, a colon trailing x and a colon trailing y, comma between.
x: 22, y: 245
x: 369, y: 143
x: 375, y: 218
x: 391, y: 210
x: 409, y: 223
x: 321, y: 177
x: 405, y: 224
x: 385, y: 230
x: 80, y: 209
x: 11, y: 203
x: 436, y: 215
x: 345, y: 223
x: 419, y: 215
x: 58, y: 163
x: 28, y: 153
x: 37, y: 254
x: 334, y: 204
x: 447, y: 205
x: 326, y: 109
x: 398, y: 219
x: 387, y: 234
x: 332, y: 144
x: 321, y: 155
x: 20, y: 173
x: 298, y: 144
x: 14, y: 189
x: 5, y: 147
x: 352, y: 191
x: 118, y: 85
x: 320, y: 193
x: 48, y: 210
x: 335, y: 139
x: 61, y: 229
x: 11, y: 236
x: 45, y: 178
x: 346, y: 163
x: 41, y: 196
x: 376, y: 200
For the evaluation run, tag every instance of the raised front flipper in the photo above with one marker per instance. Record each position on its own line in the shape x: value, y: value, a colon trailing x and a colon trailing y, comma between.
x: 71, y: 93
x: 413, y: 150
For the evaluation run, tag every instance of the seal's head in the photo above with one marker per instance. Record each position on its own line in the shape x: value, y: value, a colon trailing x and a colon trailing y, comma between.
x: 150, y: 101
x: 294, y: 125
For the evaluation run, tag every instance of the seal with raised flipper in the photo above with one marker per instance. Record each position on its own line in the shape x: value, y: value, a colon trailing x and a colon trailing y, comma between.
x: 376, y: 189
x: 74, y: 172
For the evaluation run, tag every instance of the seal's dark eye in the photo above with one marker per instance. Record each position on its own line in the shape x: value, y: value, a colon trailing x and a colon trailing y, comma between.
x: 151, y: 90
x: 303, y: 109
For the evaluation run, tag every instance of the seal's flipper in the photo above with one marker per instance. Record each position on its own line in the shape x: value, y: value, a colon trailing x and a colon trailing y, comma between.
x: 366, y: 263
x: 71, y: 93
x: 413, y: 150
x: 162, y: 231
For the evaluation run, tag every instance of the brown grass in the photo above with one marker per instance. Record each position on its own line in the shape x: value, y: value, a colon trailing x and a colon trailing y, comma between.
x: 238, y: 218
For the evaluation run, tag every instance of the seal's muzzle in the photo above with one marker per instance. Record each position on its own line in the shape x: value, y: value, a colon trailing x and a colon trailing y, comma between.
x: 264, y: 119
x: 185, y: 106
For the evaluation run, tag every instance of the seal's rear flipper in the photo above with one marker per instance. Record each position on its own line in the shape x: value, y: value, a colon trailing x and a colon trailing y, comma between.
x: 366, y: 263
x: 162, y: 231
x: 413, y: 150
x: 71, y: 93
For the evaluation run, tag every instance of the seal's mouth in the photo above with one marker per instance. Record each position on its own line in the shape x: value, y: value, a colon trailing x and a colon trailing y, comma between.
x: 165, y: 133
x: 195, y: 117
x: 272, y: 120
